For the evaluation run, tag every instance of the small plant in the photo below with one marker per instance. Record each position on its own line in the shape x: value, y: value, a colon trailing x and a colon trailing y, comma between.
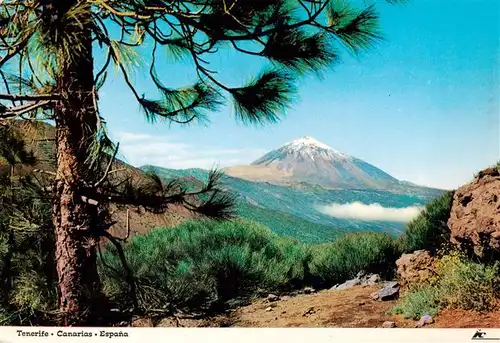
x: 418, y: 303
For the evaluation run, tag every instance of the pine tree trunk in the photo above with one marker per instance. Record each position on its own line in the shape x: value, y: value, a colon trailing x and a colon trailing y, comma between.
x: 78, y: 280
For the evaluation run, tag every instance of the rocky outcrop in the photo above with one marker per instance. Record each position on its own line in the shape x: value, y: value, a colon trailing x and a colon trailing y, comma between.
x: 415, y: 268
x: 389, y: 292
x: 361, y: 278
x: 475, y: 215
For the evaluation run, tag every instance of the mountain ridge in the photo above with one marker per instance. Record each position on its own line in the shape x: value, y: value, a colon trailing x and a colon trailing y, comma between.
x: 308, y: 160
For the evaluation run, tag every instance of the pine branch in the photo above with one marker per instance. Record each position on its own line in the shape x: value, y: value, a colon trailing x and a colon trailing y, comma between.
x: 106, y: 172
x: 29, y: 97
x: 18, y: 111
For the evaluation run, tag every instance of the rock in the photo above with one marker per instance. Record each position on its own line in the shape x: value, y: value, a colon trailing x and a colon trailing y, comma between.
x: 346, y: 285
x: 474, y: 221
x: 374, y: 295
x: 389, y: 292
x: 142, y: 323
x: 424, y: 320
x: 309, y: 290
x: 272, y: 298
x: 285, y: 297
x: 388, y: 324
x: 269, y: 309
x: 414, y: 268
x: 360, y: 275
x: 371, y: 280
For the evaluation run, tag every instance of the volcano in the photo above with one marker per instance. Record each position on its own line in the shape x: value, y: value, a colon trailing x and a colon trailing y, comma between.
x: 308, y: 160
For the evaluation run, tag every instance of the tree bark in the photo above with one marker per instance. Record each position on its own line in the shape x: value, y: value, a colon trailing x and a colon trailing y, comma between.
x: 76, y: 124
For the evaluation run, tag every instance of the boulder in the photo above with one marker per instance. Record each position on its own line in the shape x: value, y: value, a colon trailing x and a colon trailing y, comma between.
x: 414, y: 268
x: 474, y: 221
x: 361, y: 279
x: 272, y: 298
x: 346, y: 285
x: 389, y: 292
x: 371, y: 280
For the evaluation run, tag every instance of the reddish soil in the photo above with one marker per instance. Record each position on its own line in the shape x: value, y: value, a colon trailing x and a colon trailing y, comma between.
x: 342, y: 309
x: 468, y: 319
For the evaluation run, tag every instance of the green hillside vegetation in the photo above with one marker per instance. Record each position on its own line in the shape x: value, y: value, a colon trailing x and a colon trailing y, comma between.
x: 242, y: 259
x: 301, y: 199
x: 285, y: 224
x: 202, y: 264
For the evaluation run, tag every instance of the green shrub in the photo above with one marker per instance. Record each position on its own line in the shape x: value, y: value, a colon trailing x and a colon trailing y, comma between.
x: 461, y: 284
x: 430, y: 229
x: 206, y: 262
x: 201, y: 264
x: 343, y: 258
x: 468, y: 285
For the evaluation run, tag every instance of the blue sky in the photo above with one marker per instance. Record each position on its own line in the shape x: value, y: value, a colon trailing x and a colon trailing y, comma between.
x: 423, y: 105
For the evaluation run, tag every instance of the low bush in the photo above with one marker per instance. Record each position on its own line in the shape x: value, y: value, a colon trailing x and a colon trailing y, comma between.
x: 461, y: 284
x: 429, y: 230
x: 418, y: 303
x: 201, y: 264
x: 468, y: 285
x: 343, y: 258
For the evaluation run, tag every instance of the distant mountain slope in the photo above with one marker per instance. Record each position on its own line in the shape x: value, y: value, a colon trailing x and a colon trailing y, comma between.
x: 307, y: 160
x: 300, y: 199
x: 286, y: 224
x: 40, y: 139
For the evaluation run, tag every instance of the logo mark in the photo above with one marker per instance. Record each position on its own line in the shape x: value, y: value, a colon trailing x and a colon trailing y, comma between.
x: 481, y: 336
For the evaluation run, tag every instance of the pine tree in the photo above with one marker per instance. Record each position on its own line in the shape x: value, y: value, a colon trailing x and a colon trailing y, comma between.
x: 47, y: 66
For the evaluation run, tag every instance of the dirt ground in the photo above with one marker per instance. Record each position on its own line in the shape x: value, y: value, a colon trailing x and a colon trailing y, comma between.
x: 351, y: 308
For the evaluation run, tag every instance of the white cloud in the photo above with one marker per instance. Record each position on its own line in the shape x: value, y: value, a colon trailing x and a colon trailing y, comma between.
x: 141, y: 149
x: 360, y: 211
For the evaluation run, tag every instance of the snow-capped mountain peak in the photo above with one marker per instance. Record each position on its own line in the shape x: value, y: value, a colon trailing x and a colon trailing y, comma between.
x: 308, y: 160
x: 309, y: 146
x: 307, y: 141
